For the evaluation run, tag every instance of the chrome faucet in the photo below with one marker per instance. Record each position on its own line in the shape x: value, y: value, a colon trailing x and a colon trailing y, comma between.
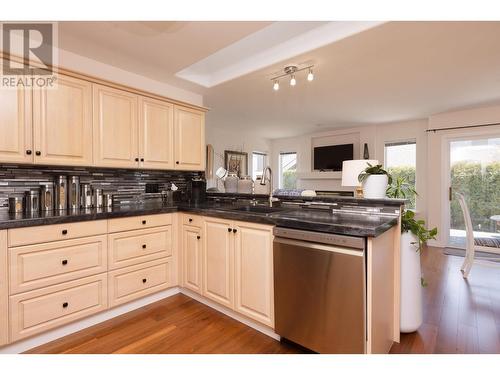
x: 270, y: 180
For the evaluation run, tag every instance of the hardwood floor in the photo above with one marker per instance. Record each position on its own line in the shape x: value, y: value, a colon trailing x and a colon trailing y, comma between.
x: 459, y: 317
x: 175, y: 325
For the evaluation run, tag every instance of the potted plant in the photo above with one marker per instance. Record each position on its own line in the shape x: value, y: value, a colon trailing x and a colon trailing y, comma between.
x: 375, y: 180
x: 414, y: 235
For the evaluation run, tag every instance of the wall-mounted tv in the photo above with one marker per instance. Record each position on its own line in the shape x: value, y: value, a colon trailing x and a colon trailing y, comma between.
x: 330, y: 158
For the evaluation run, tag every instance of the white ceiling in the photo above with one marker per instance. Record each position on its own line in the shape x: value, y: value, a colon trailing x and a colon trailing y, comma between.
x: 395, y: 71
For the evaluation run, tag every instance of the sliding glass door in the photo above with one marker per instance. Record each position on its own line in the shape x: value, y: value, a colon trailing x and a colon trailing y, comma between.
x: 475, y: 172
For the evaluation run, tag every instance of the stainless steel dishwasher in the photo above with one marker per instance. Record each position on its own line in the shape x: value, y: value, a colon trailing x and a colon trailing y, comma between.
x: 319, y: 290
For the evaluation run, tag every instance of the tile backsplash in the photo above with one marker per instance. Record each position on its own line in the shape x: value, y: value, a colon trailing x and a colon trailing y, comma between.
x: 124, y: 184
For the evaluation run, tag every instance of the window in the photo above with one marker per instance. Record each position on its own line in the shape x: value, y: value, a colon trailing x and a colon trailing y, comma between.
x: 401, y: 161
x: 258, y: 164
x: 288, y: 170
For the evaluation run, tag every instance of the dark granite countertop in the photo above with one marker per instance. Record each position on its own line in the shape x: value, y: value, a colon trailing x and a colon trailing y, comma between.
x: 361, y: 225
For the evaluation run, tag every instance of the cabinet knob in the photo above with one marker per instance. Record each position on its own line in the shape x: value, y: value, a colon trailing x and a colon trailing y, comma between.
x: 136, y: 159
x: 198, y: 237
x: 144, y: 246
x: 144, y: 222
x: 144, y: 281
x: 142, y: 159
x: 176, y: 162
x: 64, y: 231
x: 38, y: 153
x: 65, y: 304
x: 229, y: 230
x: 235, y: 230
x: 28, y: 152
x: 64, y: 262
x: 190, y: 220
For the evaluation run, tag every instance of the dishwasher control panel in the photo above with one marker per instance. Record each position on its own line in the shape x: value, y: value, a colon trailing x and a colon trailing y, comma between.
x: 320, y: 237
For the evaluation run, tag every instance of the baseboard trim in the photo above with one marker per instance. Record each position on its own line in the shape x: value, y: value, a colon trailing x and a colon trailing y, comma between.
x: 56, y: 333
x: 232, y: 314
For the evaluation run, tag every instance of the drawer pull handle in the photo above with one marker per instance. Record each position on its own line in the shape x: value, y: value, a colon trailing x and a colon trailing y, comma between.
x: 144, y: 222
x: 235, y: 230
x: 65, y: 304
x: 64, y: 231
x: 229, y: 230
x: 144, y: 246
x: 144, y: 281
x: 64, y: 262
x: 190, y: 220
x: 198, y: 237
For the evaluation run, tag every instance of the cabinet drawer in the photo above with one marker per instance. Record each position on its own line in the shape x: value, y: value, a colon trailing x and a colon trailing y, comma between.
x: 139, y: 246
x: 42, y: 309
x: 193, y: 220
x: 139, y: 222
x: 48, y: 233
x: 133, y: 282
x: 37, y: 266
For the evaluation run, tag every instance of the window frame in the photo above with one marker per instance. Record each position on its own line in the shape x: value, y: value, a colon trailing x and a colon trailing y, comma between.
x: 280, y: 169
x: 261, y: 153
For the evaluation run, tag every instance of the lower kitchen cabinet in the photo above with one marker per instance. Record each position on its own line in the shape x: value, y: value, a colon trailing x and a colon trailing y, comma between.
x: 4, y: 290
x: 218, y: 258
x: 130, y: 283
x: 42, y: 309
x: 253, y: 272
x: 191, y: 259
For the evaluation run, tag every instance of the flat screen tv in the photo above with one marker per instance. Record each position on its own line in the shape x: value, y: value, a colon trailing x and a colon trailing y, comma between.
x: 330, y: 158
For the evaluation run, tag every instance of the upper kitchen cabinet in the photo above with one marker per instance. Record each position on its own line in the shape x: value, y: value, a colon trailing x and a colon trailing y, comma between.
x: 62, y: 123
x: 156, y: 134
x: 189, y: 130
x: 15, y: 125
x: 115, y: 128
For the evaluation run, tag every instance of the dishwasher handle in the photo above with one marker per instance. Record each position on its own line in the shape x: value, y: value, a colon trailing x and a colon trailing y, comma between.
x: 317, y: 246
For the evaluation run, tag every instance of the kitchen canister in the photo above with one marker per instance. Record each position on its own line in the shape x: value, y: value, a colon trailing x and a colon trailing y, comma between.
x: 73, y: 193
x: 47, y: 197
x: 107, y: 200
x: 32, y: 200
x: 85, y: 196
x: 245, y: 185
x: 97, y: 198
x: 16, y: 204
x: 61, y: 196
x: 231, y: 183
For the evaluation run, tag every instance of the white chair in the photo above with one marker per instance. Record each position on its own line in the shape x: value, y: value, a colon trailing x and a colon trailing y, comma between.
x: 488, y: 245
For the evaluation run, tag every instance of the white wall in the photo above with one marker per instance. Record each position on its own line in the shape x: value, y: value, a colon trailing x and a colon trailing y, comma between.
x: 233, y: 140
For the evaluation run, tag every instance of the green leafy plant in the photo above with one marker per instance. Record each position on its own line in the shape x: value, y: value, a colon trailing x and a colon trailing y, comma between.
x: 374, y: 170
x: 417, y: 227
x: 401, y: 188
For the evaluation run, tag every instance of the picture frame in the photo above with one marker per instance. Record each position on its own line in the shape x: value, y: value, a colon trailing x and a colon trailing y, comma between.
x: 236, y: 162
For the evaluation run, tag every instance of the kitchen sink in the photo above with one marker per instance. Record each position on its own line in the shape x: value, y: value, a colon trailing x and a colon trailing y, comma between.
x: 258, y: 209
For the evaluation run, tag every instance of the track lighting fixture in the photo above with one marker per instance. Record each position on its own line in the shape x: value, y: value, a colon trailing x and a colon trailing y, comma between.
x: 290, y: 71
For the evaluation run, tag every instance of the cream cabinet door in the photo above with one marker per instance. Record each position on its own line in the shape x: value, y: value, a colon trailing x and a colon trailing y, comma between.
x: 115, y: 128
x: 156, y: 134
x: 191, y: 258
x: 15, y: 126
x: 189, y: 130
x: 218, y: 261
x: 4, y: 290
x: 62, y: 123
x: 253, y: 271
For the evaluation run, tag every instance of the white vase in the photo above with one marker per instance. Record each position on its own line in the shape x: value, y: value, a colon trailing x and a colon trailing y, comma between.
x: 375, y: 186
x: 411, y: 288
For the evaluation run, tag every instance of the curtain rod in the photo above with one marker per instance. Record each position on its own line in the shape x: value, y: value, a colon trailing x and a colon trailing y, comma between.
x: 461, y: 127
